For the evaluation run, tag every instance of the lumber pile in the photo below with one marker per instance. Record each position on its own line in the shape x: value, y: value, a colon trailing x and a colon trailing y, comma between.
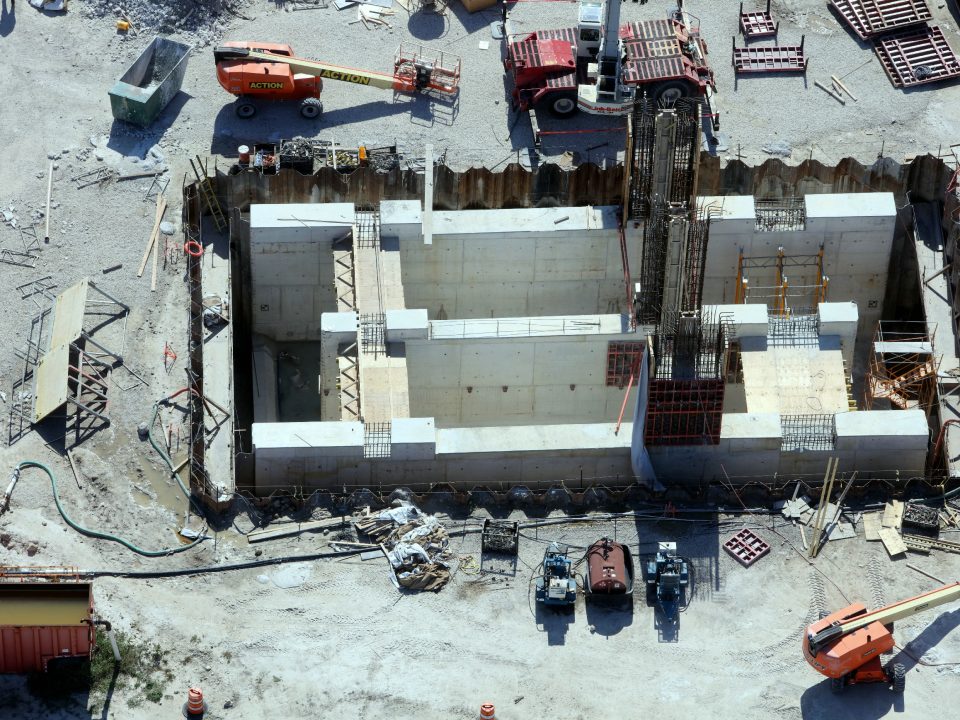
x: 414, y: 543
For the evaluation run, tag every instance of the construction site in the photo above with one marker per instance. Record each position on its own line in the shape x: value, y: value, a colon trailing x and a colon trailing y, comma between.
x: 435, y: 358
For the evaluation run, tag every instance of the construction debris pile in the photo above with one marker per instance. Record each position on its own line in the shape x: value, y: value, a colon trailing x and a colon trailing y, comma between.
x: 415, y: 544
x: 323, y: 153
x: 206, y: 19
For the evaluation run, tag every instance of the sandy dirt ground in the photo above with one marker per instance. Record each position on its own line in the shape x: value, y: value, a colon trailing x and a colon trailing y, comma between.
x: 338, y: 640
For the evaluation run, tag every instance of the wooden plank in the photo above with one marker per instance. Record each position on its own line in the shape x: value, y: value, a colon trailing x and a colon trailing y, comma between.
x: 73, y: 466
x: 892, y: 542
x: 46, y: 232
x: 294, y: 529
x: 156, y: 256
x: 898, y: 508
x: 371, y: 554
x: 924, y: 572
x: 161, y: 207
x: 892, y: 514
x: 871, y: 526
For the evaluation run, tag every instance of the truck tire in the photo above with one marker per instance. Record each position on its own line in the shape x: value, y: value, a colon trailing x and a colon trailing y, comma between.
x: 245, y: 109
x: 560, y: 105
x: 667, y: 93
x: 311, y: 108
x: 898, y: 677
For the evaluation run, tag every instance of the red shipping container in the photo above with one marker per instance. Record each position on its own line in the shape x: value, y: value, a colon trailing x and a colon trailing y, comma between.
x: 43, y: 621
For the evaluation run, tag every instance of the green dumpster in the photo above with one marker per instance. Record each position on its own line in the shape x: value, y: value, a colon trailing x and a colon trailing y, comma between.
x: 148, y: 85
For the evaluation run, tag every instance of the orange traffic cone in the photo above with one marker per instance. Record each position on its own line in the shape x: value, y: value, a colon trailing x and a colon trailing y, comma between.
x: 487, y: 712
x: 195, y: 706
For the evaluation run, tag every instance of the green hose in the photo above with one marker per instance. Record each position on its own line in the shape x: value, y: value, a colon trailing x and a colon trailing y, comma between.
x: 95, y: 533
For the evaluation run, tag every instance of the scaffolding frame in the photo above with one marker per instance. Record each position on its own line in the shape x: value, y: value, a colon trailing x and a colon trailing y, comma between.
x: 777, y: 296
x: 902, y: 367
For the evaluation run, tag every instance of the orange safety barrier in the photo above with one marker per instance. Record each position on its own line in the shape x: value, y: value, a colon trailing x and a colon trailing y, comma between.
x: 487, y: 712
x: 195, y: 704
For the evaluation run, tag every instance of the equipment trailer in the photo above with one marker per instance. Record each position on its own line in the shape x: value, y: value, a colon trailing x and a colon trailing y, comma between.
x: 599, y: 70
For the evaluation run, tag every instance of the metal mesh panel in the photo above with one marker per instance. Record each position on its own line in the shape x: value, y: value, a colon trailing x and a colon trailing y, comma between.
x: 808, y: 432
x: 376, y: 440
x: 781, y: 215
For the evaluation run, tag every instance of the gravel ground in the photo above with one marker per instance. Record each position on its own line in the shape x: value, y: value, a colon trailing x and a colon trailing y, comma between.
x: 335, y: 638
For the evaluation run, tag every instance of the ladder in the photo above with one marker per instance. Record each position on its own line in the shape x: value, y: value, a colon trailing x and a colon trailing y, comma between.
x: 207, y: 193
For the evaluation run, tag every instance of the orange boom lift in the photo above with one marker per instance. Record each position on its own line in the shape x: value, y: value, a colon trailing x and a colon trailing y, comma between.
x: 252, y: 70
x: 846, y: 645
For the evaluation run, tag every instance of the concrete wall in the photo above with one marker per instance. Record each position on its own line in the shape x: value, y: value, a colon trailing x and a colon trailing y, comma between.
x: 878, y: 443
x: 856, y: 231
x: 531, y: 374
x: 291, y: 266
x: 510, y: 263
x: 497, y: 457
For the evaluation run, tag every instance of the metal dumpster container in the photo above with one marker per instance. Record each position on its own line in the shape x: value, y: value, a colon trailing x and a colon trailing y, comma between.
x: 148, y: 85
x: 42, y: 622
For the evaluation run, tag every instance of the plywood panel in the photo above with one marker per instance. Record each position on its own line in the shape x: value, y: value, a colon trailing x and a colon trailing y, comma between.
x: 68, y: 314
x: 52, y: 389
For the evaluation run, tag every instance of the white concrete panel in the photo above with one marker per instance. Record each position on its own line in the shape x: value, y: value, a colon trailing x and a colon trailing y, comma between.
x: 339, y: 326
x: 400, y: 219
x: 871, y: 427
x: 321, y: 219
x: 851, y: 205
x: 403, y: 325
x: 748, y: 320
x: 294, y: 438
x: 413, y: 439
x: 530, y: 438
x: 727, y: 208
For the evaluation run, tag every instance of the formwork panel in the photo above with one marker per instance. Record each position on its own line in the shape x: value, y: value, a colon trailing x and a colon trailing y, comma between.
x: 870, y: 18
x: 769, y: 58
x: 917, y: 57
x: 684, y: 412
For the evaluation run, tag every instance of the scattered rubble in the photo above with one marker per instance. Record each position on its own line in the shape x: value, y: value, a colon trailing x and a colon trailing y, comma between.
x: 415, y: 544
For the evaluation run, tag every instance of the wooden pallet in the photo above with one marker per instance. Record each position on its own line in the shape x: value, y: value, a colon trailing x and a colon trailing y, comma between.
x: 769, y: 58
x: 746, y: 547
x: 917, y: 57
x: 870, y: 18
x: 758, y: 23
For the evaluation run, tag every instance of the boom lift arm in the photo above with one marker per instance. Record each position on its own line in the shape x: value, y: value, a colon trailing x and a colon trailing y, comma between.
x: 270, y: 70
x: 846, y: 645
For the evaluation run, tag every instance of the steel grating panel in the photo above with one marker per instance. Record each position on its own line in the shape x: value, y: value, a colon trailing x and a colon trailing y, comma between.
x: 917, y: 57
x: 870, y: 18
x: 769, y: 59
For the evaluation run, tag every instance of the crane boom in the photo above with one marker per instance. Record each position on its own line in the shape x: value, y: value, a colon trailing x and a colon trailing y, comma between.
x: 889, y: 614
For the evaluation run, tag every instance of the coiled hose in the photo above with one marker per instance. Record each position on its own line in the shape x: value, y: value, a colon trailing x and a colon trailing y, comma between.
x: 107, y: 536
x: 96, y: 533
